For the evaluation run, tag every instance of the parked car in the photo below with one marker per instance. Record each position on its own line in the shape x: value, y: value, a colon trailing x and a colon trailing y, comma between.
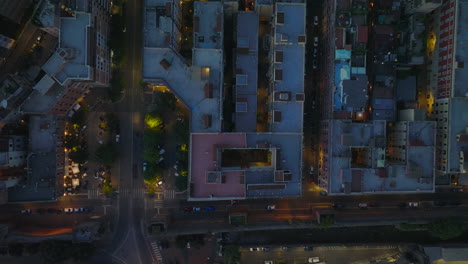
x: 88, y: 209
x: 117, y: 138
x: 314, y: 260
x: 308, y: 248
x: 255, y: 249
x: 187, y: 209
x: 284, y: 248
x: 316, y: 20
x: 362, y: 205
x: 457, y: 190
x: 271, y: 207
x: 266, y: 249
x: 145, y: 165
x: 234, y: 202
x: 268, y: 262
x: 413, y: 204
x: 210, y: 208
x: 440, y: 203
x: 314, y: 65
x: 315, y: 41
x: 76, y: 210
x: 26, y: 211
x: 68, y: 210
x: 196, y: 209
x: 337, y: 205
x: 402, y: 205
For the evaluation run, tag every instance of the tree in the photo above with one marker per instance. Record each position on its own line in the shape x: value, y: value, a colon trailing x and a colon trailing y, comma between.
x: 106, y: 154
x: 153, y: 174
x: 447, y: 228
x: 181, y: 183
x: 167, y: 101
x: 152, y: 138
x: 112, y: 122
x: 153, y: 121
x: 151, y: 155
x: 79, y: 118
x: 79, y: 156
x: 181, y: 132
x: 107, y: 189
x: 327, y: 220
x: 231, y: 254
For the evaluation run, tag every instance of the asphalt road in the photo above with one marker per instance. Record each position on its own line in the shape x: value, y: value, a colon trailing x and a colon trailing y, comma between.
x: 129, y: 243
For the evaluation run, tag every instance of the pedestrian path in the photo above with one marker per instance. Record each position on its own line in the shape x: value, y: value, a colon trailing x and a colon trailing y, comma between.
x: 158, y: 203
x: 132, y: 193
x: 169, y: 194
x: 155, y: 251
x: 93, y: 193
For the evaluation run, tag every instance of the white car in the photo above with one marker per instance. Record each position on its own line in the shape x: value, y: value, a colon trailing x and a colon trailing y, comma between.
x: 255, y: 249
x: 271, y: 207
x: 413, y: 204
x: 314, y: 260
x: 268, y: 261
x: 362, y: 205
x: 311, y: 171
x: 315, y: 41
x: 316, y: 20
x: 117, y: 138
x: 68, y: 210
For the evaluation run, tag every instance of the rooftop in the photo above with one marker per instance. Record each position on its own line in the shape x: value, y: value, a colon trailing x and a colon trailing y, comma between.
x: 457, y: 126
x: 208, y: 25
x: 355, y: 93
x: 247, y: 71
x: 69, y: 62
x: 288, y: 73
x: 460, y: 88
x: 159, y: 24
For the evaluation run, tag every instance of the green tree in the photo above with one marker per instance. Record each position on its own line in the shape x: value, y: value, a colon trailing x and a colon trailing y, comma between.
x: 153, y: 121
x: 181, y: 132
x: 112, y: 122
x: 166, y: 101
x: 447, y: 228
x: 152, y: 174
x: 79, y: 156
x: 152, y: 138
x: 71, y: 140
x: 327, y: 220
x: 181, y: 183
x: 231, y: 254
x: 151, y: 155
x: 106, y: 154
x: 107, y: 189
x: 79, y: 118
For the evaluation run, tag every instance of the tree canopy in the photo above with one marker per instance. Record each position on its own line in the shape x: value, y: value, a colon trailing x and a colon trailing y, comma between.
x: 447, y: 228
x: 106, y: 154
x: 231, y: 254
x: 153, y: 121
x: 79, y: 156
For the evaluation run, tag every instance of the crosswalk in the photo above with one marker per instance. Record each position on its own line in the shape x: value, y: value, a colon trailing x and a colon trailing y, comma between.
x: 169, y: 194
x: 155, y: 251
x: 132, y: 193
x: 93, y: 193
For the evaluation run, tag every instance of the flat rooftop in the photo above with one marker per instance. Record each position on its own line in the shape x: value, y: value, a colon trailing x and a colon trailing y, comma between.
x: 158, y: 23
x: 70, y: 60
x: 208, y: 25
x: 288, y: 68
x: 247, y: 71
x: 457, y: 124
x: 380, y: 177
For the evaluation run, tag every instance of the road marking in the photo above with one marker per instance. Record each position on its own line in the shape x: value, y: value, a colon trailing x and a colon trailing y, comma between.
x: 169, y: 194
x: 93, y: 193
x: 158, y: 203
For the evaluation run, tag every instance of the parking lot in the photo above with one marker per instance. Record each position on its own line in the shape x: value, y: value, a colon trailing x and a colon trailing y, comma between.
x: 326, y: 254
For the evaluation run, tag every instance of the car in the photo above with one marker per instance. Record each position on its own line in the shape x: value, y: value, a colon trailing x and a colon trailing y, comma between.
x: 362, y: 205
x: 187, y: 209
x: 234, y: 202
x: 76, y: 210
x: 117, y: 138
x: 196, y: 209
x: 284, y: 248
x: 145, y: 165
x: 26, y: 211
x: 311, y: 172
x: 255, y: 249
x: 51, y: 211
x: 308, y: 248
x: 323, y: 193
x: 316, y: 20
x: 268, y: 262
x: 88, y: 209
x: 402, y: 205
x: 413, y: 204
x: 457, y: 190
x: 96, y: 174
x: 440, y: 203
x: 314, y: 260
x: 314, y: 64
x: 337, y: 205
x: 210, y: 208
x: 68, y: 210
x: 266, y: 249
x: 271, y: 207
x: 315, y: 41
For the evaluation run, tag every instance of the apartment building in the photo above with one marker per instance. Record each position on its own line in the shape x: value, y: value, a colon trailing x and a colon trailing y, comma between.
x: 162, y: 24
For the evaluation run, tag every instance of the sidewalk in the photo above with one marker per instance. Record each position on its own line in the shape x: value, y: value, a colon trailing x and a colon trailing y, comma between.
x: 205, y: 255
